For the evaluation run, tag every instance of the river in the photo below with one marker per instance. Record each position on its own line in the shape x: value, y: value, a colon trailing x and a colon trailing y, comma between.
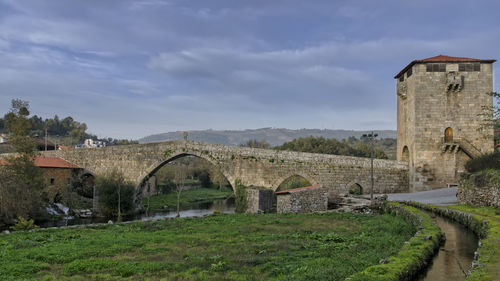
x: 225, y: 206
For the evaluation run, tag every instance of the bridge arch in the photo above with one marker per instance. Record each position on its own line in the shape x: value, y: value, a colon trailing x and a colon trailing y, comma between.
x: 282, y: 180
x: 354, y: 187
x: 157, y: 166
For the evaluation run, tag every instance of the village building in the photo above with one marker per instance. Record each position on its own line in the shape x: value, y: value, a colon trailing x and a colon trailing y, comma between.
x: 440, y: 103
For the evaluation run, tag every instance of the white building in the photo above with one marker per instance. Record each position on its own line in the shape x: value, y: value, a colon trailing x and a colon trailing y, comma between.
x: 3, y: 138
x: 90, y: 143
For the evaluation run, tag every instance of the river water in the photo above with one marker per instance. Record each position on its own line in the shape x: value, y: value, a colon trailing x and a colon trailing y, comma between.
x: 225, y: 206
x: 455, y: 257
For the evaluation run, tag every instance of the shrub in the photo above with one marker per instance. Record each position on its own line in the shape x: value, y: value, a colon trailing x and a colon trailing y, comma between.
x: 24, y: 224
x: 107, y: 187
x: 488, y: 161
x: 240, y: 194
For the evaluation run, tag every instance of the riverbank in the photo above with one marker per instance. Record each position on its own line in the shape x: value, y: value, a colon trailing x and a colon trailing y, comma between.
x: 163, y: 202
x: 327, y: 246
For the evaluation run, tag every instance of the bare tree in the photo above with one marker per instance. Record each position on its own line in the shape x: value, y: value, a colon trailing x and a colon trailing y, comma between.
x: 180, y: 175
x: 217, y: 177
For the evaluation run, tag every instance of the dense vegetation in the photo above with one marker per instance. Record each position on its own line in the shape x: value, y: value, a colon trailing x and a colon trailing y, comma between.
x: 350, y: 147
x: 483, y: 171
x: 484, y: 162
x: 21, y: 182
x: 230, y: 247
x: 65, y: 131
x: 116, y: 196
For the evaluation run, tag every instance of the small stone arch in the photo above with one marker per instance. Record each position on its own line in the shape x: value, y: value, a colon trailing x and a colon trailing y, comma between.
x: 354, y: 188
x: 405, y: 154
x: 448, y: 135
x: 282, y: 180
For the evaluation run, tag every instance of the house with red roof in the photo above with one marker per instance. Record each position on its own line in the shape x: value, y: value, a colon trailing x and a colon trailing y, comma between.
x: 58, y: 174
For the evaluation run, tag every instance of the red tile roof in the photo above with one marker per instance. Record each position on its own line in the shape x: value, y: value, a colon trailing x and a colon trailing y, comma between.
x: 53, y: 162
x: 298, y: 189
x: 49, y: 162
x: 441, y: 58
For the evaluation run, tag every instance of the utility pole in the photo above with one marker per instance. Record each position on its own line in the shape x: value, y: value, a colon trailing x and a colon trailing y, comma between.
x: 45, y: 138
x: 371, y: 136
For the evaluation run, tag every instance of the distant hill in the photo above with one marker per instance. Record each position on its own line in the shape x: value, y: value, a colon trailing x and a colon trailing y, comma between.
x: 273, y: 136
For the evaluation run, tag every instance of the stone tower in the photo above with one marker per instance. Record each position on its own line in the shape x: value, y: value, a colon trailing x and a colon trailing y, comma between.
x: 439, y: 102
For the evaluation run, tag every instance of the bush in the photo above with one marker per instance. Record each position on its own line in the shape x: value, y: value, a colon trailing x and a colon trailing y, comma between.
x: 240, y: 197
x: 24, y: 224
x: 488, y: 161
x: 107, y: 187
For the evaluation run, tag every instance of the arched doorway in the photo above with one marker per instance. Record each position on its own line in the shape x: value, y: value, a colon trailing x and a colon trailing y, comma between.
x: 405, y: 155
x: 294, y: 181
x: 448, y: 135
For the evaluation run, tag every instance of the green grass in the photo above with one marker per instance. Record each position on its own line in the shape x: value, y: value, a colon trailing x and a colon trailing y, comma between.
x: 226, y: 247
x: 188, y: 197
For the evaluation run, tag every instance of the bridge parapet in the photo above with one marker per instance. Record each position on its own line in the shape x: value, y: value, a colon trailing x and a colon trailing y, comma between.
x: 251, y: 166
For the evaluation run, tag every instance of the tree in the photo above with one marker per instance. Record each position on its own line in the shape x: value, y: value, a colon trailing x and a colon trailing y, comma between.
x: 21, y: 182
x: 253, y: 143
x: 180, y: 175
x: 217, y: 177
x: 116, y: 195
x: 490, y: 116
x: 18, y: 125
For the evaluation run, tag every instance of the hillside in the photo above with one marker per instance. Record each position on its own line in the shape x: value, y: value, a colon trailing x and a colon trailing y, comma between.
x: 274, y: 136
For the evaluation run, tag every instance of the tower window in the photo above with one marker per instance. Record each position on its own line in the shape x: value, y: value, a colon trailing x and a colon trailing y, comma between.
x: 469, y: 67
x: 52, y: 180
x: 401, y: 78
x: 436, y: 67
x: 409, y: 72
x: 448, y: 135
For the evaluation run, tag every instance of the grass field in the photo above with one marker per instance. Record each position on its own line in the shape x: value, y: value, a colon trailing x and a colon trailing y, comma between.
x: 226, y: 247
x: 188, y: 197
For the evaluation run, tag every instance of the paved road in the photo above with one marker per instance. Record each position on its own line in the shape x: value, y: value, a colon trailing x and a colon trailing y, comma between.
x: 443, y: 196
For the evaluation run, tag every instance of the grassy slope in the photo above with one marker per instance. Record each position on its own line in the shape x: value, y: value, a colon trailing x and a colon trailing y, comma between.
x: 229, y: 247
x: 188, y: 197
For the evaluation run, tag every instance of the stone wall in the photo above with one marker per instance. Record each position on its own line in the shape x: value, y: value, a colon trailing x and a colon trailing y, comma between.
x: 250, y: 166
x: 260, y: 201
x: 427, y: 107
x: 302, y: 200
x: 479, y: 196
x: 57, y: 181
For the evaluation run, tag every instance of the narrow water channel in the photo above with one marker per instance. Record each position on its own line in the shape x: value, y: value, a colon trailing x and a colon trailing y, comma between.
x: 455, y: 257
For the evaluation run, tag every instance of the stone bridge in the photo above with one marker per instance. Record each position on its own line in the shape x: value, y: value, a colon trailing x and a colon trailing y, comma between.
x: 251, y: 166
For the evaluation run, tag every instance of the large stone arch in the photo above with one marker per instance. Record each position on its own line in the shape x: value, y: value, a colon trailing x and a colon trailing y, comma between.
x: 155, y: 167
x: 280, y: 180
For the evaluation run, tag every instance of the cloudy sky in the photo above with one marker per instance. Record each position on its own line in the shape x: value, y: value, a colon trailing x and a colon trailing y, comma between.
x: 133, y: 68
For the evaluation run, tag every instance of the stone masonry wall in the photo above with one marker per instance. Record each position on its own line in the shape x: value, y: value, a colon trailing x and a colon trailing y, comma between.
x: 426, y: 108
x: 479, y: 196
x: 251, y: 166
x: 303, y: 201
x: 260, y: 201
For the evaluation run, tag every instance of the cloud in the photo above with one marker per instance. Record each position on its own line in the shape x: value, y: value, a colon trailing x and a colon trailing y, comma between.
x: 130, y: 68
